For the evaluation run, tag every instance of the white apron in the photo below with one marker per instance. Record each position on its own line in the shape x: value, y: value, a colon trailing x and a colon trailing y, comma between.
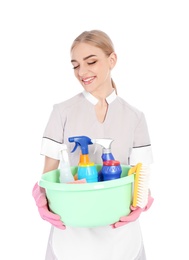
x: 102, y: 243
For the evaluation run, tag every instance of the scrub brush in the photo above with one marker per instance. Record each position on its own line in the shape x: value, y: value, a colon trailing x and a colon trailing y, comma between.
x: 141, y: 184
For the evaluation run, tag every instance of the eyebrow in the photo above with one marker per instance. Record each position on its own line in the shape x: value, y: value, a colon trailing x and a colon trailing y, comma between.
x: 92, y: 55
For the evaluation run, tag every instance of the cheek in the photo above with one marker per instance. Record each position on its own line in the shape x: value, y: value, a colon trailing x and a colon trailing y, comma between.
x: 104, y: 70
x: 100, y: 69
x: 104, y: 66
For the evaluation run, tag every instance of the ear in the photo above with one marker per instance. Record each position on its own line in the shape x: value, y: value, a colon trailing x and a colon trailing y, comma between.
x: 112, y: 59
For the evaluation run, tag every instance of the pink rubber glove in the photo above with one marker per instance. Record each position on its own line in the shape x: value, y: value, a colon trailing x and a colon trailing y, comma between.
x: 134, y: 215
x: 42, y: 204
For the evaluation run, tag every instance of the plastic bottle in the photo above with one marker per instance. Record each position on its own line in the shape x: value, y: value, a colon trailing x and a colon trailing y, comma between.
x: 65, y: 170
x: 106, y: 152
x: 86, y: 169
x: 111, y: 170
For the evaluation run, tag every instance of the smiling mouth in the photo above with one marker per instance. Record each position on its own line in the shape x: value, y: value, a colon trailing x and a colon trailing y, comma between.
x: 87, y: 81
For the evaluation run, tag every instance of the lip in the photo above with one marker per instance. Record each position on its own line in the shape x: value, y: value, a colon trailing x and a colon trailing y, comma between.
x: 88, y: 80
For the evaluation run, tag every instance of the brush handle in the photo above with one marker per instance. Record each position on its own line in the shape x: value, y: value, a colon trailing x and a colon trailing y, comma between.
x: 135, y: 170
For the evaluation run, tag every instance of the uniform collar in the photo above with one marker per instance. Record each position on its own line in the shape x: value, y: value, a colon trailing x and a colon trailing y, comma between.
x: 94, y: 100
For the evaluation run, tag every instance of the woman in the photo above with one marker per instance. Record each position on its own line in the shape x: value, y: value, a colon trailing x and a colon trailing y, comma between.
x: 97, y: 112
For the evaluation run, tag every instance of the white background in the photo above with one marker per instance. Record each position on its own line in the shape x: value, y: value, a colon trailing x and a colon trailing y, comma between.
x: 151, y: 39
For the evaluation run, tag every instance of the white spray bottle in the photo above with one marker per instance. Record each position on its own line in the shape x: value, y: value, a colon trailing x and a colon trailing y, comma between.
x: 65, y: 170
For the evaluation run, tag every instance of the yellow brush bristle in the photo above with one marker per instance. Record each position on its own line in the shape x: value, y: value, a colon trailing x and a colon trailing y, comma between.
x: 141, y: 184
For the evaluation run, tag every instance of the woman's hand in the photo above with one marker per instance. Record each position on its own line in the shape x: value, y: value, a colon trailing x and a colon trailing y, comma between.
x: 42, y: 204
x: 134, y: 214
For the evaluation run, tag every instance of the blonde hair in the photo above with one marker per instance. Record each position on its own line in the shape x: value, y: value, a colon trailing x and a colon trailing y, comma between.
x: 97, y: 39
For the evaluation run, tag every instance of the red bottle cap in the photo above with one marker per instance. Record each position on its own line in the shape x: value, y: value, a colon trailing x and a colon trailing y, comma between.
x: 111, y: 163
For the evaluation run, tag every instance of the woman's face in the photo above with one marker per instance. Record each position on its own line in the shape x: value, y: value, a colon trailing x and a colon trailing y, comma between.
x: 92, y: 67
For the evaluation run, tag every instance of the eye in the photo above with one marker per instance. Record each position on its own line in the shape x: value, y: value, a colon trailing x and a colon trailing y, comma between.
x: 75, y: 67
x: 93, y: 62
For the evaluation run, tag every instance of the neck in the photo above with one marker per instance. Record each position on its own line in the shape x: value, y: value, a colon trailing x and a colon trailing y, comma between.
x: 101, y: 96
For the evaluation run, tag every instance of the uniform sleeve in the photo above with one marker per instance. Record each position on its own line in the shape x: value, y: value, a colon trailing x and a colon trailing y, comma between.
x: 53, y: 135
x: 141, y: 150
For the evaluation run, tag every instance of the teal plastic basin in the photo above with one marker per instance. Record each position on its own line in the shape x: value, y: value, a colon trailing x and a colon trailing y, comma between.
x: 89, y: 204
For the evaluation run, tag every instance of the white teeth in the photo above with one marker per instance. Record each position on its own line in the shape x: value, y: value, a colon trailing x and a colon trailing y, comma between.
x: 85, y: 80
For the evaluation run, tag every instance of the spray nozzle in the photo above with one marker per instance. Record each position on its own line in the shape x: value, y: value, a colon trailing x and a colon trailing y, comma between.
x: 106, y: 150
x: 82, y: 141
x: 104, y: 142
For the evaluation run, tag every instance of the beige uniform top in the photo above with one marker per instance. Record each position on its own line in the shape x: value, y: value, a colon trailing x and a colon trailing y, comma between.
x: 127, y: 126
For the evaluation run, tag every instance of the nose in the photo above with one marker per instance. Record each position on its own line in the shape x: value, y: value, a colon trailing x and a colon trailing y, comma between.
x: 82, y: 70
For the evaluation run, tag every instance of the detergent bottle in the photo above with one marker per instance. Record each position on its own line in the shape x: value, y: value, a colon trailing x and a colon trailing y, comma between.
x: 65, y: 170
x: 86, y: 169
x: 111, y: 168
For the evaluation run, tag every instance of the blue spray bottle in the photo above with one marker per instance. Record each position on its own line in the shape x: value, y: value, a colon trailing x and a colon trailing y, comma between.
x: 111, y: 168
x: 86, y: 169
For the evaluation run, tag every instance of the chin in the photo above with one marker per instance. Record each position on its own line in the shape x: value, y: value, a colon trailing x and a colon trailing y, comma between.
x: 89, y: 89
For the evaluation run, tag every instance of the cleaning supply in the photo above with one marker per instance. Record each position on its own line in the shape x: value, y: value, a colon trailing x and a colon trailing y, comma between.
x: 106, y: 152
x: 88, y: 204
x: 141, y: 184
x: 65, y: 171
x: 86, y: 169
x: 111, y: 170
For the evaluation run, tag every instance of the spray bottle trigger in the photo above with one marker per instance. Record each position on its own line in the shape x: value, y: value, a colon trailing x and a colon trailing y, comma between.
x: 75, y: 147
